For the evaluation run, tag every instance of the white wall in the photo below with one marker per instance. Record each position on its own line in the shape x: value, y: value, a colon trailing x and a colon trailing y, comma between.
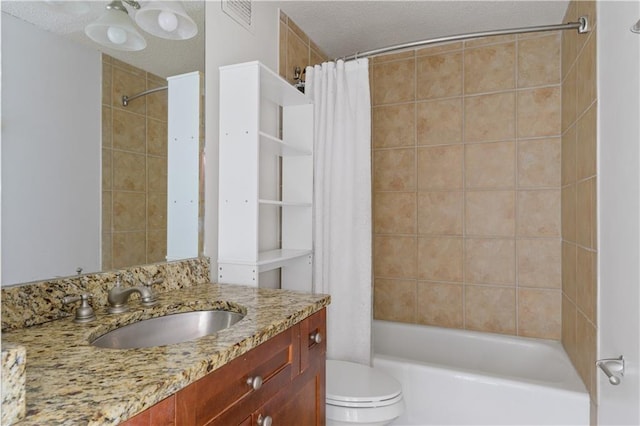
x: 619, y: 207
x: 228, y: 43
x: 51, y: 143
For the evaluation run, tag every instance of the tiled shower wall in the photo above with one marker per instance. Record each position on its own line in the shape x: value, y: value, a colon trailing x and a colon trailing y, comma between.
x: 579, y: 200
x: 466, y: 178
x: 296, y: 49
x: 134, y: 167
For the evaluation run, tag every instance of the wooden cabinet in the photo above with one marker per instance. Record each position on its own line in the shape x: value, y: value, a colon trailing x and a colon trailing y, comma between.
x: 266, y: 178
x: 283, y: 378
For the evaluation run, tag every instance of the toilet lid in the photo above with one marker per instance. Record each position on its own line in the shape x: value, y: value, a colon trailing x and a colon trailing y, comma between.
x: 351, y: 384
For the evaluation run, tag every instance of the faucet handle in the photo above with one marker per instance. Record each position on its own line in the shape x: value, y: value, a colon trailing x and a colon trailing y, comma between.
x: 152, y: 282
x: 84, y: 313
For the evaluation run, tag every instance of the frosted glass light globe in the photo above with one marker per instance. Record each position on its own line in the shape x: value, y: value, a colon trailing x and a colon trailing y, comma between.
x: 116, y: 35
x: 168, y: 21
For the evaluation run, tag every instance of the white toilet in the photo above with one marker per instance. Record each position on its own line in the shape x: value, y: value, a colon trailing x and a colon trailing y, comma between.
x: 360, y: 395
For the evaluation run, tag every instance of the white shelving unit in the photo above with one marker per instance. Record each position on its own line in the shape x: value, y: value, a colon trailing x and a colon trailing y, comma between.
x: 250, y: 98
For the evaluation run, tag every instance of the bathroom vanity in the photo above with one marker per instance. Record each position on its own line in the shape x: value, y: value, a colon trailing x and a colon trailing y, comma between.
x: 269, y: 366
x: 282, y: 380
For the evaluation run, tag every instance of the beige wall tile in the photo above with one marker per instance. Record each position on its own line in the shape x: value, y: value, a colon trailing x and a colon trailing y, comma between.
x: 282, y: 49
x: 489, y: 117
x: 539, y: 163
x: 439, y: 76
x: 129, y: 212
x: 439, y: 48
x: 540, y: 313
x: 107, y: 127
x: 439, y: 304
x: 393, y: 82
x: 586, y: 74
x: 490, y: 261
x: 129, y: 248
x: 107, y: 84
x: 157, y: 104
x: 490, y: 165
x: 394, y: 213
x: 128, y: 83
x: 539, y: 61
x: 394, y: 300
x: 569, y: 40
x: 482, y: 41
x: 569, y: 213
x: 393, y: 126
x: 569, y: 155
x: 107, y: 261
x: 317, y: 58
x: 394, y: 170
x: 540, y: 263
x: 128, y: 68
x: 440, y: 213
x: 539, y: 213
x: 586, y: 283
x: 128, y: 171
x: 107, y: 169
x: 157, y: 137
x: 407, y: 54
x: 569, y: 328
x: 586, y: 150
x: 129, y: 131
x: 440, y: 259
x: 394, y: 256
x: 539, y: 112
x: 157, y: 211
x: 586, y: 351
x: 297, y: 54
x: 157, y: 174
x: 585, y: 8
x: 569, y: 99
x: 439, y: 122
x: 569, y: 272
x: 106, y: 211
x: 490, y: 213
x: 491, y: 309
x: 298, y: 31
x: 440, y: 167
x: 490, y: 68
x: 584, y: 213
x: 156, y: 245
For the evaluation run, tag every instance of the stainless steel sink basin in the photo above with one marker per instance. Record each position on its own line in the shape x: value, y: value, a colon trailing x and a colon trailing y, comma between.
x: 167, y: 330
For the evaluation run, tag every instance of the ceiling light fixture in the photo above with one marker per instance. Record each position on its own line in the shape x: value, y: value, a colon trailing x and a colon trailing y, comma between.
x: 636, y: 27
x: 115, y: 29
x: 166, y: 19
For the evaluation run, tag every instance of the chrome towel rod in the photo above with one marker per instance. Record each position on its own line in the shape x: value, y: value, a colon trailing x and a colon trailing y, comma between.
x: 582, y: 26
x: 126, y: 99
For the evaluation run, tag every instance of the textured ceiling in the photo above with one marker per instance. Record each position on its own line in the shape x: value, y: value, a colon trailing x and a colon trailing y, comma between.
x: 161, y: 57
x: 340, y: 28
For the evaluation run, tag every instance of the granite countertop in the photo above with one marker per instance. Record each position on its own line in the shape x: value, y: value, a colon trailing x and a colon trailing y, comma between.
x: 69, y: 381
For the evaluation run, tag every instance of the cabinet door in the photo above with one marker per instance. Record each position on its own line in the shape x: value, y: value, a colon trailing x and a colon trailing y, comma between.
x: 161, y: 414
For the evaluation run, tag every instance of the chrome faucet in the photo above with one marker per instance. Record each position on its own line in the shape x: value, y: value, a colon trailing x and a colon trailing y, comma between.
x: 119, y: 295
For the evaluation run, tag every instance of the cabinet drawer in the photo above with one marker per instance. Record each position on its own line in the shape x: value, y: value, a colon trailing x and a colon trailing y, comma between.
x: 310, y: 348
x: 206, y: 399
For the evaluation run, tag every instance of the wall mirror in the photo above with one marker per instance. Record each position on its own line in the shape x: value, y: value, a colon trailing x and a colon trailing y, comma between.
x: 84, y: 178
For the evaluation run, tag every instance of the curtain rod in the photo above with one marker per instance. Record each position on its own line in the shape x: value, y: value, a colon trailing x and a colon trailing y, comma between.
x: 582, y: 26
x: 126, y: 99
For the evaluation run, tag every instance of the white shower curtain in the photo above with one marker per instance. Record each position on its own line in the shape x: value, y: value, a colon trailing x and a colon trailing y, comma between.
x: 342, y: 203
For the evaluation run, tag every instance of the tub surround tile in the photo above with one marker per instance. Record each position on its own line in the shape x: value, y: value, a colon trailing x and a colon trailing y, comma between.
x: 394, y: 256
x: 439, y: 122
x: 491, y: 309
x: 490, y: 68
x: 439, y: 76
x: 490, y: 213
x: 393, y: 82
x: 539, y: 61
x: 539, y: 313
x: 534, y: 221
x: 99, y: 394
x: 490, y: 117
x: 490, y: 261
x: 14, y: 361
x: 440, y: 304
x: 394, y: 170
x: 440, y: 167
x: 539, y: 112
x: 440, y: 259
x: 394, y: 213
x: 490, y: 165
x: 393, y: 126
x: 539, y: 163
x: 395, y: 300
x: 440, y: 213
x: 540, y: 263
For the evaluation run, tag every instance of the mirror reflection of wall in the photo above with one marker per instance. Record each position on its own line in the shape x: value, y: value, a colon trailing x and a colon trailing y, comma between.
x: 134, y: 167
x: 98, y: 169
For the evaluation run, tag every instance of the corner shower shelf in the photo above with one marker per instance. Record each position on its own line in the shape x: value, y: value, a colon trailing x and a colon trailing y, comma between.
x: 251, y: 96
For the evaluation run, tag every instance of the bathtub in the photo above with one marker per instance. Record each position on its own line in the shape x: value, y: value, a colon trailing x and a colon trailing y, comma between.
x: 458, y: 377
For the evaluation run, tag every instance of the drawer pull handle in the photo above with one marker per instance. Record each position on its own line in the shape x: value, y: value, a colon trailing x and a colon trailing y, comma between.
x: 264, y: 421
x: 316, y: 337
x: 255, y: 382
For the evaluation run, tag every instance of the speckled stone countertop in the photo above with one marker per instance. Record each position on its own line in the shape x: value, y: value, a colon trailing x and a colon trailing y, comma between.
x: 71, y: 382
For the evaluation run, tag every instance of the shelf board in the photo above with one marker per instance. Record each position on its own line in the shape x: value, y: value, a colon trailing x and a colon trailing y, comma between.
x: 284, y: 203
x: 281, y: 148
x: 270, y: 259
